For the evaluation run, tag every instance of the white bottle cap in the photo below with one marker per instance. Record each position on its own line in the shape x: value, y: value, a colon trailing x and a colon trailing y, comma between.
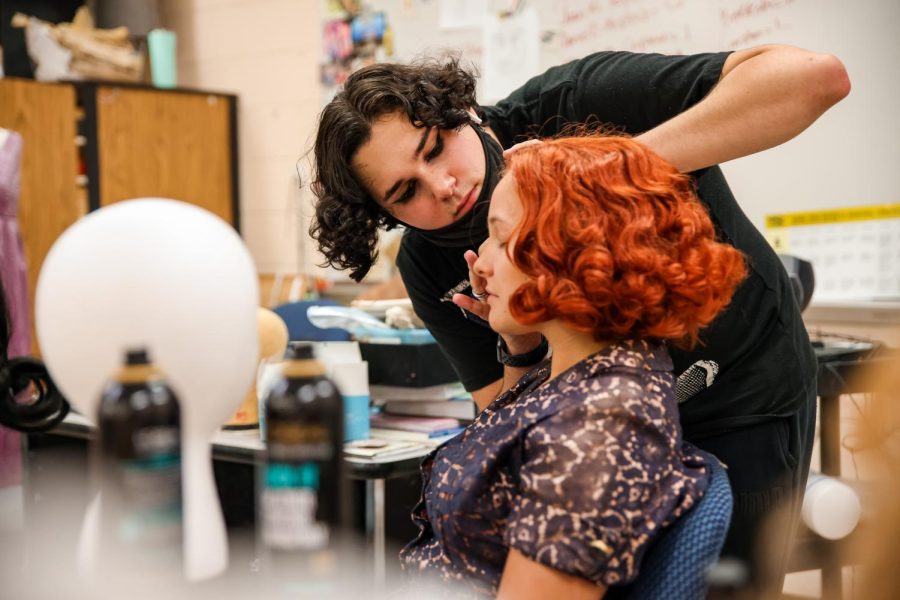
x: 830, y: 508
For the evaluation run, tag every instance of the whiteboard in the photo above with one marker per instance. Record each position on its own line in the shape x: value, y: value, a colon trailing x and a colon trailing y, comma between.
x: 849, y: 157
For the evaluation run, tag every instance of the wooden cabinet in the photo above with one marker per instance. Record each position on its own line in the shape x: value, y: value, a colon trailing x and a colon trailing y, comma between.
x: 135, y: 141
x: 148, y: 142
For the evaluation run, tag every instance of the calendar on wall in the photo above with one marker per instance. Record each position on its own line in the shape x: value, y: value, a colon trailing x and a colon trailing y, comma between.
x: 855, y: 252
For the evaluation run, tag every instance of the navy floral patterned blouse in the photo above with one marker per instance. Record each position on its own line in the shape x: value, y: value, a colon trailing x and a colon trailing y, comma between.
x: 578, y: 473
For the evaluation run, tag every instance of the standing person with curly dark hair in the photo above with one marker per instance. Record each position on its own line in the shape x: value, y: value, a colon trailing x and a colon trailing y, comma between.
x: 409, y: 144
x: 562, y: 483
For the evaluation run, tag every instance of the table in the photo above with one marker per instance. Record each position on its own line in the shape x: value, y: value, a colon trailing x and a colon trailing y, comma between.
x: 245, y: 447
x: 838, y: 363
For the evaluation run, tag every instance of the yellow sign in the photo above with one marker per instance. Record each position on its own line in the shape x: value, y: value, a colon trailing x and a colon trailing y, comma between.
x: 855, y: 251
x: 838, y: 215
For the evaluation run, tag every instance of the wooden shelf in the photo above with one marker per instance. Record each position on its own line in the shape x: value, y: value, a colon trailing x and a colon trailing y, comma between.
x: 136, y: 141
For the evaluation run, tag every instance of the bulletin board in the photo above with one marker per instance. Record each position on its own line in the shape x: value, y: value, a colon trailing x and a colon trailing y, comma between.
x: 855, y: 251
x: 849, y: 158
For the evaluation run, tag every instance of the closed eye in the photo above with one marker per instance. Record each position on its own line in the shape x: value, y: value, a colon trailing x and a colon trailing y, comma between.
x: 438, y: 148
x: 411, y: 188
x: 407, y: 194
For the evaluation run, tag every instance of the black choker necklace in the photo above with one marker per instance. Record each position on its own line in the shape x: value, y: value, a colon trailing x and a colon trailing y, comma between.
x: 471, y: 229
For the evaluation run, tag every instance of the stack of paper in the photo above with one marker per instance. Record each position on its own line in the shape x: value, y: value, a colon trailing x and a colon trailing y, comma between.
x: 380, y: 448
x: 399, y: 393
x: 461, y: 408
x: 424, y: 429
x: 447, y: 400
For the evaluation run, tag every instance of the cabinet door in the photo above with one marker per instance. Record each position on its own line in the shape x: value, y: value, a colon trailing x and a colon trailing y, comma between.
x: 44, y: 115
x: 166, y: 144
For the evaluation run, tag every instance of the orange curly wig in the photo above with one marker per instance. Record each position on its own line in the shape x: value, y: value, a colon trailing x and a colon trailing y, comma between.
x: 616, y: 243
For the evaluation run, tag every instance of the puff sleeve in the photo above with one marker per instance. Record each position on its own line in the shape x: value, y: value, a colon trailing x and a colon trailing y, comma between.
x: 597, y: 482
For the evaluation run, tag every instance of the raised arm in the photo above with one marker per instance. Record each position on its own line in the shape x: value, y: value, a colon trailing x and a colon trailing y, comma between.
x: 766, y: 95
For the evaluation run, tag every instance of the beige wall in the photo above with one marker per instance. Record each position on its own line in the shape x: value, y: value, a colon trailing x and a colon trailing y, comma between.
x: 267, y: 52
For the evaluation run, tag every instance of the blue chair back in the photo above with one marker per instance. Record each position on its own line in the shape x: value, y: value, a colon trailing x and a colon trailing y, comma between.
x: 299, y: 326
x: 676, y: 566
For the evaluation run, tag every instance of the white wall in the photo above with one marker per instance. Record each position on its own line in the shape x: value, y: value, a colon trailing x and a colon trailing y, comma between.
x: 267, y: 52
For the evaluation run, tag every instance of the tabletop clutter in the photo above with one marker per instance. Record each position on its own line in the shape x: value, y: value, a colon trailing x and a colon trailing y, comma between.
x: 400, y: 393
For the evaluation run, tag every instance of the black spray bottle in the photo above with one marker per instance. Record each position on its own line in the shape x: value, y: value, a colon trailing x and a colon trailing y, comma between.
x: 138, y: 452
x: 301, y: 483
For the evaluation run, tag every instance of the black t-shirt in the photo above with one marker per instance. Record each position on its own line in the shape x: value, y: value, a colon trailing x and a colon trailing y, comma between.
x: 766, y: 364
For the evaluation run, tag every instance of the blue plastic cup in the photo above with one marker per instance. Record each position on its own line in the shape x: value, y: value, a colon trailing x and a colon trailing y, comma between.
x: 356, y: 418
x: 352, y: 379
x: 163, y: 67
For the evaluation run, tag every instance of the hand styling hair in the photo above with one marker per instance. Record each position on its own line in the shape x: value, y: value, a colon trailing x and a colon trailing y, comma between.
x: 347, y: 219
x: 617, y: 243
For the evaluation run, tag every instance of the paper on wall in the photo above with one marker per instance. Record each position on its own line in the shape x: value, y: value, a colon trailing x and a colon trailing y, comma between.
x: 463, y: 14
x: 511, y: 53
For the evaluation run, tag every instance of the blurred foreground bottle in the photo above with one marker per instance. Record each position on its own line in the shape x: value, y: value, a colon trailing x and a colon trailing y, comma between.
x: 302, y: 487
x: 138, y: 452
x: 831, y: 508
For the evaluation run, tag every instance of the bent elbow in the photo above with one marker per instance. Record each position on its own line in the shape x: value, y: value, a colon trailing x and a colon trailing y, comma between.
x: 829, y: 81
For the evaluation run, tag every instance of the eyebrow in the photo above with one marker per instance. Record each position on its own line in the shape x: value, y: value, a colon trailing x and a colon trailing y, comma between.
x: 495, y: 220
x: 418, y: 151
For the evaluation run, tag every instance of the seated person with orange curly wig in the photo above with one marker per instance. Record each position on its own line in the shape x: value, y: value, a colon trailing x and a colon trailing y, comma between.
x: 560, y: 485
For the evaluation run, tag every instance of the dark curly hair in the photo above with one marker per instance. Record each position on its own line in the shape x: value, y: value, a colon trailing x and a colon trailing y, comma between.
x: 616, y: 243
x: 432, y: 93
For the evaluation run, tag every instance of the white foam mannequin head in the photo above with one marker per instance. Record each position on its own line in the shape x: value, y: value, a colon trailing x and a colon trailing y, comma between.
x: 178, y: 280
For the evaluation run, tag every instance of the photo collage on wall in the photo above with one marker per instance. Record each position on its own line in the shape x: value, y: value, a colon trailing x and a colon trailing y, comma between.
x: 352, y: 37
